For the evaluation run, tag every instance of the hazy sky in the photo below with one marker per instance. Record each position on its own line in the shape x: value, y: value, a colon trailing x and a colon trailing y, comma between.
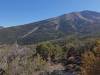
x: 17, y: 12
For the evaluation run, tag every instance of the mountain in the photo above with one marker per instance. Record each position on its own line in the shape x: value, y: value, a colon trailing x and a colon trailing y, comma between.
x: 79, y: 23
x: 1, y: 27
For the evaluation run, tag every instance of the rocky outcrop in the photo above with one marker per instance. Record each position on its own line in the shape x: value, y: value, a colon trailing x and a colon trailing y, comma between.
x: 2, y: 72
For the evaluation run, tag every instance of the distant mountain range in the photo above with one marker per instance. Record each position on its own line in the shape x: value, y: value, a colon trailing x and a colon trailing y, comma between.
x: 1, y: 27
x: 78, y: 23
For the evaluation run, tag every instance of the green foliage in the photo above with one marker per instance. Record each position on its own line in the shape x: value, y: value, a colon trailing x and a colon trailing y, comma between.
x: 33, y: 59
x: 49, y: 50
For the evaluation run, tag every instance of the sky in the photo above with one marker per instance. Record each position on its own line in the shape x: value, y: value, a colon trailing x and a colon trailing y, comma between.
x: 18, y: 12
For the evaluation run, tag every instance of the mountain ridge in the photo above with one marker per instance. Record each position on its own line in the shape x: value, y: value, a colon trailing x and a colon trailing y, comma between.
x: 81, y: 23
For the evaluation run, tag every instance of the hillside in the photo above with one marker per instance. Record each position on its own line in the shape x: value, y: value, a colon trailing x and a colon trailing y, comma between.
x: 49, y: 58
x: 78, y: 23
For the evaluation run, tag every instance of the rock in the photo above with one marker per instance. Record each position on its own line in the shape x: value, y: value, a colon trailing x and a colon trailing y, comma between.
x: 2, y: 72
x: 57, y: 72
x: 61, y: 72
x: 44, y: 73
